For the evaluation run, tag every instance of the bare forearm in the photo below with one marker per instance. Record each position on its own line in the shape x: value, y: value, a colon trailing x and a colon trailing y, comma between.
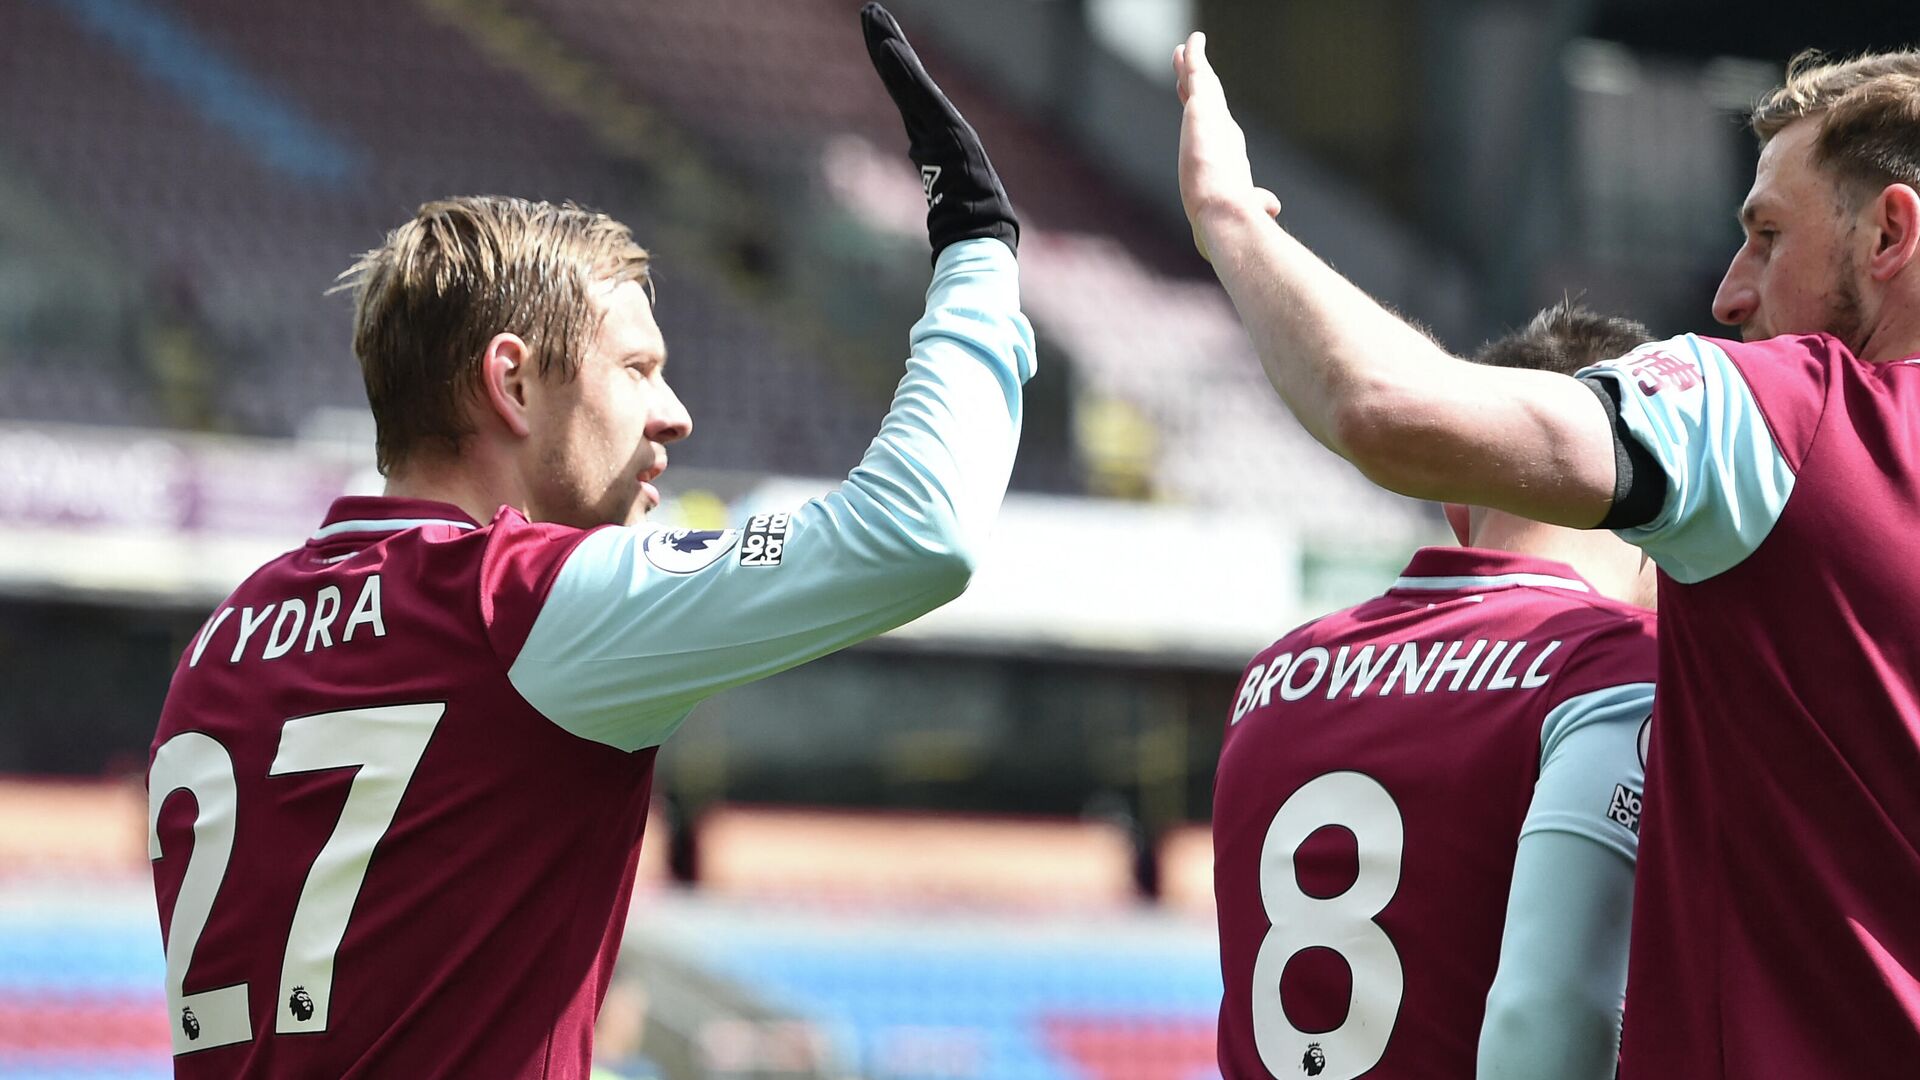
x: 1329, y: 349
x: 1376, y: 391
x: 1410, y: 416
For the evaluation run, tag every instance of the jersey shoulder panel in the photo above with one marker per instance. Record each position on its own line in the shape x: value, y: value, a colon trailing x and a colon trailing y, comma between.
x: 1789, y: 378
x: 517, y: 571
x: 1615, y: 644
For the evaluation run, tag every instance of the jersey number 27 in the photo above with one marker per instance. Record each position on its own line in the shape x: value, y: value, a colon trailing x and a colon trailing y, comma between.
x: 385, y: 743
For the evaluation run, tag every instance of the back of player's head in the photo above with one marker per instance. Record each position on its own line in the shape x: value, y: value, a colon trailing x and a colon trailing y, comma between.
x: 1565, y: 338
x: 430, y: 298
x: 1868, y: 109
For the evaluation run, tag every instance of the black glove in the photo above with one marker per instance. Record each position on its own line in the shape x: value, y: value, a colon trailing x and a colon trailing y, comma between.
x: 964, y: 197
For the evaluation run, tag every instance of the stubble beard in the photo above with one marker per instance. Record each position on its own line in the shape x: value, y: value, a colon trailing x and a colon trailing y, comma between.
x: 1844, y: 317
x: 562, y: 495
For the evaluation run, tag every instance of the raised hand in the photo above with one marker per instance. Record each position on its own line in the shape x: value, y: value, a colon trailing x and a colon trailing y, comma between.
x: 964, y: 197
x: 1214, y: 172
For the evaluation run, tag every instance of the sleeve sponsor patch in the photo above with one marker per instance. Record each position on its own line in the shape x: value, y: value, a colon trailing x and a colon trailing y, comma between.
x: 1654, y: 370
x: 1625, y: 810
x: 766, y: 540
x: 687, y: 551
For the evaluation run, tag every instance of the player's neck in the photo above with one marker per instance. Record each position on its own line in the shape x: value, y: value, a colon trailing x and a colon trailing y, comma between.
x: 1896, y: 338
x: 463, y: 483
x: 1610, y: 566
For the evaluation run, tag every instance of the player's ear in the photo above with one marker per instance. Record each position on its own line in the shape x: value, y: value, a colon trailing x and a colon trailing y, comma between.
x: 1896, y: 224
x: 506, y: 375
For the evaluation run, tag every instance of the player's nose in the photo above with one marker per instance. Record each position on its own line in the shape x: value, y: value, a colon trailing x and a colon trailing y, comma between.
x: 670, y: 421
x: 1738, y: 298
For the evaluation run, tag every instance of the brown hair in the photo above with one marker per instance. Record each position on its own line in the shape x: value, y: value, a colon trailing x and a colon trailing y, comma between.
x: 1868, y: 109
x: 1565, y: 338
x: 428, y: 299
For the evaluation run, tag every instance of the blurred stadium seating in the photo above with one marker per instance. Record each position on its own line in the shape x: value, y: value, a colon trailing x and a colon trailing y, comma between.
x: 816, y: 944
x: 231, y: 198
x: 79, y: 973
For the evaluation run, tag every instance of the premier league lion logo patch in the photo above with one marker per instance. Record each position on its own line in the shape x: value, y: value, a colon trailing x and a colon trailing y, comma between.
x: 687, y: 551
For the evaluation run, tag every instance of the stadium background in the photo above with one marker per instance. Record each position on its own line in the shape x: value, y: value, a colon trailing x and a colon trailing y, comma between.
x: 976, y: 847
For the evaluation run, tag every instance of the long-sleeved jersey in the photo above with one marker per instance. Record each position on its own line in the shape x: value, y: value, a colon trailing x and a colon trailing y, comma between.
x: 1381, y: 769
x: 398, y: 786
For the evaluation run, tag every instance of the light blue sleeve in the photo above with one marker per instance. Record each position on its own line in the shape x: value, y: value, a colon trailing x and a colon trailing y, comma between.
x: 1727, y: 482
x: 1553, y: 1012
x: 640, y: 625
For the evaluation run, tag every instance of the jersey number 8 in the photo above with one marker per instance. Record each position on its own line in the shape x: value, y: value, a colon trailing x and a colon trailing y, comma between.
x: 1342, y: 923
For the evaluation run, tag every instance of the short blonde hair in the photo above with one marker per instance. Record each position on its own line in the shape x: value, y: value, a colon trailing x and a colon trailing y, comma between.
x: 428, y: 299
x: 1868, y: 109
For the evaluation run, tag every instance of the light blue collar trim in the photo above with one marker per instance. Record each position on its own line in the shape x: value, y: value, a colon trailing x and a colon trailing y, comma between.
x: 1492, y: 581
x: 384, y: 525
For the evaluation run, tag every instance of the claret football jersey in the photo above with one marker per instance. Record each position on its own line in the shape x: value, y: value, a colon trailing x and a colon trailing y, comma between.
x: 397, y: 790
x: 1777, y: 910
x: 1380, y: 767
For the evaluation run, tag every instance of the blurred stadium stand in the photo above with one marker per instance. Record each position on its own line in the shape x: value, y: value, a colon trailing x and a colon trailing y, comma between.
x: 1017, y: 863
x: 811, y: 945
x: 977, y: 847
x: 78, y: 968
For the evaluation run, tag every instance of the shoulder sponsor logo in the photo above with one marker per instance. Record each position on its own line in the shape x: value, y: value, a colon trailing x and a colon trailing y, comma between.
x: 766, y: 540
x: 1646, y: 739
x: 687, y: 551
x: 1625, y: 808
x: 1658, y: 370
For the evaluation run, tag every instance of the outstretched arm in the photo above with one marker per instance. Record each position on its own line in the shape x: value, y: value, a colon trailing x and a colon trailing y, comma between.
x: 635, y: 626
x: 1369, y: 386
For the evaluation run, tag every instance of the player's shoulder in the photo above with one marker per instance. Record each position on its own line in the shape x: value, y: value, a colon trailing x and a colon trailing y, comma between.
x: 1791, y: 379
x: 1688, y: 363
x: 1836, y: 365
x: 519, y: 562
x: 1786, y: 359
x: 1334, y: 625
x: 1604, y: 612
x: 1609, y: 642
x: 522, y: 552
x: 1591, y: 614
x: 1595, y: 640
x: 439, y: 556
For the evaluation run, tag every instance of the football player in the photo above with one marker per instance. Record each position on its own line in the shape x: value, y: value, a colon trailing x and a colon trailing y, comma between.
x: 1775, y: 481
x: 1427, y: 806
x: 398, y: 786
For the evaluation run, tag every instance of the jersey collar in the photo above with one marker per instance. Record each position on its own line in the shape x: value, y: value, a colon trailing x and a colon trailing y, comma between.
x: 362, y: 517
x: 1461, y: 569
